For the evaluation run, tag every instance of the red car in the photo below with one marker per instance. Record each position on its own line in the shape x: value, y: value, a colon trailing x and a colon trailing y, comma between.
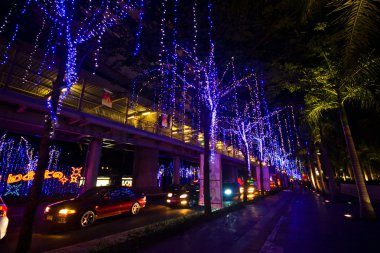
x: 95, y: 203
x: 3, y: 218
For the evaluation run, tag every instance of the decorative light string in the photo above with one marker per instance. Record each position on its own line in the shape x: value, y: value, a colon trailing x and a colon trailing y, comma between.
x: 18, y: 162
x: 62, y: 18
x: 139, y: 31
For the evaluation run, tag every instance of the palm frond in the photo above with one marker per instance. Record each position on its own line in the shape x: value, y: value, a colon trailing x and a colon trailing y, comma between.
x: 366, y: 68
x: 359, y: 94
x: 359, y: 19
x: 361, y: 84
x: 316, y: 108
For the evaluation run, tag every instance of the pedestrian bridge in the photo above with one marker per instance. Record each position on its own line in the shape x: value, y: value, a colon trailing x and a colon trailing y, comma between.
x: 120, y: 123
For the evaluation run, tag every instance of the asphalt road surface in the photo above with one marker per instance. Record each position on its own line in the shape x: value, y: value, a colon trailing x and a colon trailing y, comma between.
x: 47, y: 236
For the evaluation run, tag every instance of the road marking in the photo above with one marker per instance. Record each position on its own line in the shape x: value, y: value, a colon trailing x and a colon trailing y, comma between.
x: 268, y: 246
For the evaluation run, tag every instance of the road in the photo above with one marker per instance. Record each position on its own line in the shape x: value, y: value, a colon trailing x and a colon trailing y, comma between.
x: 47, y: 236
x: 287, y: 222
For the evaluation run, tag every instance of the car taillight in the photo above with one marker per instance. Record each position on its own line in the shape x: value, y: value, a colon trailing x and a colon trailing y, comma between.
x: 3, y: 210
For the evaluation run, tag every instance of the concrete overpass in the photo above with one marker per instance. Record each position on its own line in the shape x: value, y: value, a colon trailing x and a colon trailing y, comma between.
x: 84, y: 119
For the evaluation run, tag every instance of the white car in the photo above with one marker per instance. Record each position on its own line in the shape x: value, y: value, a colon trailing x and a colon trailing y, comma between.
x: 3, y: 218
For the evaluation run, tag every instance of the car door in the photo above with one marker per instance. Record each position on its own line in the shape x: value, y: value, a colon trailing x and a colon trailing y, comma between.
x: 109, y: 205
x: 127, y: 200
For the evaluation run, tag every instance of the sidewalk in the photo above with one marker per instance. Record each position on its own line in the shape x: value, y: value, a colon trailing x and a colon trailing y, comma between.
x: 286, y: 222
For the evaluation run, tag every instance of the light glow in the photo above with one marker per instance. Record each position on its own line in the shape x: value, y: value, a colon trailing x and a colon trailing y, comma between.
x: 66, y: 211
x: 228, y: 192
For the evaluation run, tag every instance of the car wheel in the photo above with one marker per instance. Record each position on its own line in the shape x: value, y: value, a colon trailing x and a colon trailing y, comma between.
x: 87, y: 219
x: 135, y: 208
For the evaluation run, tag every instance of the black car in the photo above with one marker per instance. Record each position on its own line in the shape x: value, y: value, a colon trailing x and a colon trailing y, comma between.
x: 183, y: 195
x: 95, y: 203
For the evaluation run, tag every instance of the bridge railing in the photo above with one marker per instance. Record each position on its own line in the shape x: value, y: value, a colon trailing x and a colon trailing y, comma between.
x: 21, y: 76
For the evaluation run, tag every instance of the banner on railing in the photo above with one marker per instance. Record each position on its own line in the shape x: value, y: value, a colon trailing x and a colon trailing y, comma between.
x: 165, y: 121
x: 106, y: 98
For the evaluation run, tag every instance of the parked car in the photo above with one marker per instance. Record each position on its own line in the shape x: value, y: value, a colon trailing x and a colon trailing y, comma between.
x: 95, y: 203
x: 3, y: 218
x: 250, y: 189
x: 183, y: 195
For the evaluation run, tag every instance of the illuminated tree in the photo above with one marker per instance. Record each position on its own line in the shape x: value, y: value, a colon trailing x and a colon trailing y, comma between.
x: 73, y: 29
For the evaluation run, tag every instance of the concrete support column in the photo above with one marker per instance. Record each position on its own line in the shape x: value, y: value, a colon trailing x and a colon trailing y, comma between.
x: 176, y: 169
x: 91, y: 171
x: 145, y: 169
x: 266, y: 182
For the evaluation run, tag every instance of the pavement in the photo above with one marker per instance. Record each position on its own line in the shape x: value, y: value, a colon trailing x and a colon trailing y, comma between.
x: 291, y: 221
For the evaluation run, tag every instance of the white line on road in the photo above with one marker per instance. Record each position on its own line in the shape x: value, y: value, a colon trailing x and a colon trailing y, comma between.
x: 268, y: 246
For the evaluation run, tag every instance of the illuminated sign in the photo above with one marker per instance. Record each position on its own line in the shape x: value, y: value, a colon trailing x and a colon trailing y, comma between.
x: 75, y: 174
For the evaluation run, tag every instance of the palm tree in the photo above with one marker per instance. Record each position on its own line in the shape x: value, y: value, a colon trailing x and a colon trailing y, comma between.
x: 331, y: 89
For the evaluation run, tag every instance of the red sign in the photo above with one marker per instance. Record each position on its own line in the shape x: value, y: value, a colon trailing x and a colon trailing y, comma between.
x: 106, y: 98
x: 164, y: 120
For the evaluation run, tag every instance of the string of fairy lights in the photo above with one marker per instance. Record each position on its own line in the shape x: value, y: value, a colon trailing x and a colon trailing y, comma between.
x: 181, y: 72
x: 271, y: 136
x: 68, y: 26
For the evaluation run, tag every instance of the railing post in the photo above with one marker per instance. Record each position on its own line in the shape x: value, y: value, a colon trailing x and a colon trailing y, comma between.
x: 126, y: 109
x: 80, y: 104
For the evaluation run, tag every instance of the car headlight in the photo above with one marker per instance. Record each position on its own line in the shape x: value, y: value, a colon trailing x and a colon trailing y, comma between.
x: 228, y: 191
x: 183, y: 196
x: 66, y: 211
x: 170, y: 195
x: 47, y: 209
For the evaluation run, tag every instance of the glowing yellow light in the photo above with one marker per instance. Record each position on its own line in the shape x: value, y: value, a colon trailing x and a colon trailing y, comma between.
x: 168, y: 200
x: 170, y: 195
x: 183, y: 202
x: 66, y: 211
x: 146, y: 113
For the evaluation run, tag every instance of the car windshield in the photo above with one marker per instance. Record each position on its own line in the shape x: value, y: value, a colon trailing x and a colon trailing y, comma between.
x: 93, y: 193
x: 178, y: 188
